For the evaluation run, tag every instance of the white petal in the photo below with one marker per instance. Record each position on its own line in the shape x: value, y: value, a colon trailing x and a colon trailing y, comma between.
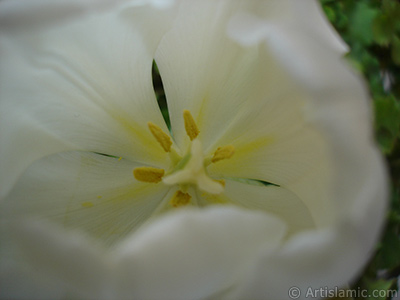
x: 30, y: 14
x: 355, y: 186
x: 310, y: 14
x: 19, y: 280
x: 89, y: 192
x: 82, y: 85
x: 347, y: 178
x: 287, y: 41
x: 279, y: 147
x: 67, y: 260
x: 322, y: 124
x: 19, y: 283
x: 23, y: 14
x: 333, y: 256
x: 251, y: 87
x: 271, y: 199
x: 212, y: 76
x: 194, y: 254
x: 206, y: 72
x: 250, y: 27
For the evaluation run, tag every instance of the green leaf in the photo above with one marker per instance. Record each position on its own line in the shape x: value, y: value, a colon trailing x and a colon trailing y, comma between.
x: 330, y: 13
x: 389, y: 254
x: 383, y: 30
x: 394, y: 217
x: 387, y: 122
x: 388, y: 5
x: 361, y: 22
x: 396, y: 18
x: 392, y: 9
x: 378, y: 288
x: 396, y: 50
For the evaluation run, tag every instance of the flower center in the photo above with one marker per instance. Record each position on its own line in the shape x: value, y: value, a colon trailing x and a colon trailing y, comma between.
x: 189, y: 170
x: 194, y: 172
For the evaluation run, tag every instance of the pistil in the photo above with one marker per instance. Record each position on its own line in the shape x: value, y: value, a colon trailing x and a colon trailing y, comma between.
x: 194, y: 173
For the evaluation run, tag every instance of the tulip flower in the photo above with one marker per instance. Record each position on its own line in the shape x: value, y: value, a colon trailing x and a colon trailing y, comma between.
x: 267, y: 179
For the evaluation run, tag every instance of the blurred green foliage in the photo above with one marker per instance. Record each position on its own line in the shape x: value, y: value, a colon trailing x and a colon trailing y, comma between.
x: 372, y: 30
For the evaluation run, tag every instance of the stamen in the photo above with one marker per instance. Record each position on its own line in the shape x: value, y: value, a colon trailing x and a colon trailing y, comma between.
x: 221, y: 181
x: 148, y: 174
x: 180, y: 199
x: 190, y: 125
x: 223, y: 153
x: 162, y: 138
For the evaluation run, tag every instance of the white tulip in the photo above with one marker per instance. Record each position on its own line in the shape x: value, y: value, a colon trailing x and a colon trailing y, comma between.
x: 268, y: 179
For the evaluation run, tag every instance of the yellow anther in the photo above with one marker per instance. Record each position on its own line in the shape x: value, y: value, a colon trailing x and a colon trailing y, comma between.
x: 148, y: 174
x: 180, y: 199
x: 221, y: 181
x: 190, y: 125
x: 223, y: 153
x: 87, y: 204
x: 119, y: 158
x: 162, y: 138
